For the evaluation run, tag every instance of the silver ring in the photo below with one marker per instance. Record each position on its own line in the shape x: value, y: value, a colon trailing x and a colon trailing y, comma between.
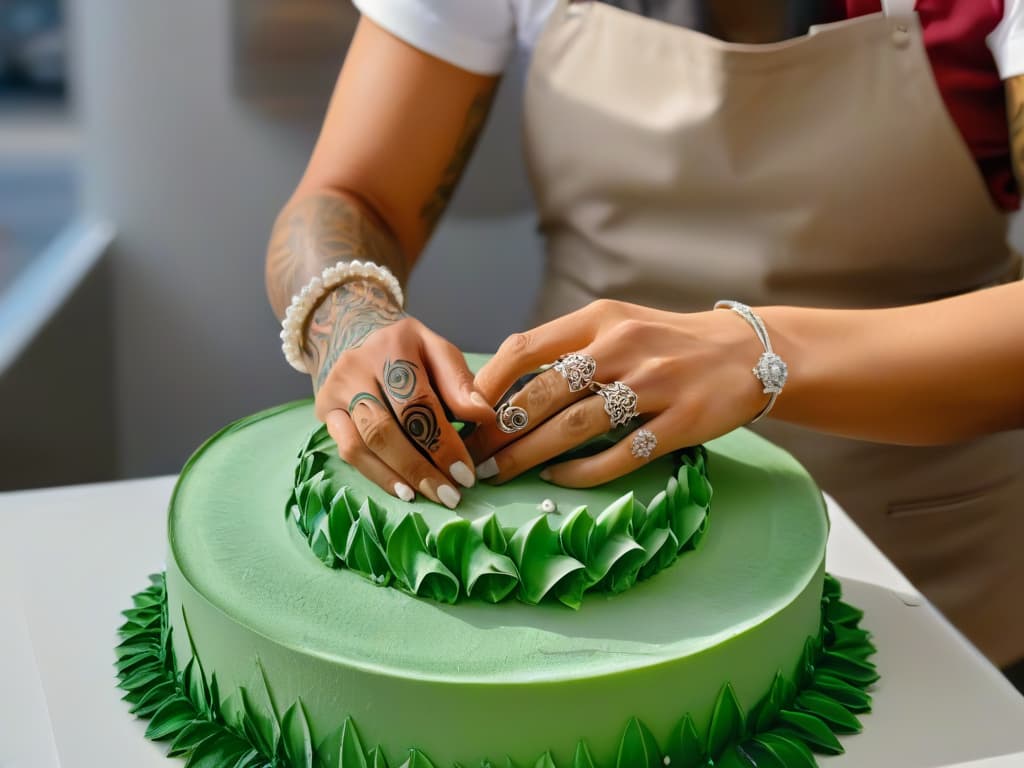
x: 619, y: 402
x: 644, y: 443
x: 511, y: 418
x: 577, y: 369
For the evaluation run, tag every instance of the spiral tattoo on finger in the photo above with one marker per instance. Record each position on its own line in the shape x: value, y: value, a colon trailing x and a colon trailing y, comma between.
x: 400, y: 379
x: 420, y: 423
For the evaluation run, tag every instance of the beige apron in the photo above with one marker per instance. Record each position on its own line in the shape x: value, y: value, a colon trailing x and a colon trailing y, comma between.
x: 672, y: 169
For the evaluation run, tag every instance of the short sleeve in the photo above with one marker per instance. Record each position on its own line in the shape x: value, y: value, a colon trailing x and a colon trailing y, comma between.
x: 1006, y: 41
x: 477, y: 35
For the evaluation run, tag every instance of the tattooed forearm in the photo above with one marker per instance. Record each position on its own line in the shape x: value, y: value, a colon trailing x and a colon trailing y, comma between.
x: 343, y: 320
x: 317, y: 232
x: 1015, y: 113
x: 476, y: 116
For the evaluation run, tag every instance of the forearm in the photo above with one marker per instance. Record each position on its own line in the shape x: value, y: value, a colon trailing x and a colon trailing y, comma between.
x: 318, y: 231
x: 925, y: 374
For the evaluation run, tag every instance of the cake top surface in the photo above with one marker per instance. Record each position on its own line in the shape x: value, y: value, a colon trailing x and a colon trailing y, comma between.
x: 233, y: 544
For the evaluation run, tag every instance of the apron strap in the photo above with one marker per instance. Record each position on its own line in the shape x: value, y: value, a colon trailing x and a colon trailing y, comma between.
x: 898, y: 7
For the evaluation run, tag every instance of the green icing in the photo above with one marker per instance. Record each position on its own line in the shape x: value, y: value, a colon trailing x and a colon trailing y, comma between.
x: 789, y: 723
x: 485, y: 549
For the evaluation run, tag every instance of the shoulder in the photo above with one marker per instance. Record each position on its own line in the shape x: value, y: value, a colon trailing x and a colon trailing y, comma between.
x: 476, y: 35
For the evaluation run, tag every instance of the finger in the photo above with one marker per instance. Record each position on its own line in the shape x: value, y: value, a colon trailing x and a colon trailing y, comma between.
x: 451, y: 376
x: 521, y: 353
x: 383, y: 436
x: 543, y: 396
x: 352, y: 449
x: 575, y: 425
x: 622, y: 458
x: 423, y: 420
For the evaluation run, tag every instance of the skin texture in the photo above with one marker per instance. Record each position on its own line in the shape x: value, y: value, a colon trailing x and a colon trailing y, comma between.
x: 384, y: 168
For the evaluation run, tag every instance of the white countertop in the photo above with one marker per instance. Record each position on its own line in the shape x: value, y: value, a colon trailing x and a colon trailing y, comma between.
x: 70, y: 558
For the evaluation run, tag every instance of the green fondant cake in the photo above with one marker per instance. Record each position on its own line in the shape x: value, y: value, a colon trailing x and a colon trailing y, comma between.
x: 309, y: 619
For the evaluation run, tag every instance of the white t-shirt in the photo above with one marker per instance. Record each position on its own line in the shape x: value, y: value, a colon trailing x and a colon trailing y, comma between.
x: 481, y: 35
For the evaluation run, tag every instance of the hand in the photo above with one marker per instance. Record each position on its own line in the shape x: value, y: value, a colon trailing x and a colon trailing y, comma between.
x: 375, y: 373
x: 691, y: 374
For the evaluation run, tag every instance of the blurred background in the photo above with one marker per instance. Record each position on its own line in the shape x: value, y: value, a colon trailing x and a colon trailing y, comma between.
x: 145, y: 148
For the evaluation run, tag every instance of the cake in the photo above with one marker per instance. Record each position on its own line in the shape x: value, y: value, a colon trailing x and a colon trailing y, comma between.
x: 307, y: 618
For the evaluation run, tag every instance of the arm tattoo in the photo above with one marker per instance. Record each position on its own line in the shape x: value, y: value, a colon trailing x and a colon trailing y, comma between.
x: 1015, y: 113
x: 476, y: 116
x: 344, y: 320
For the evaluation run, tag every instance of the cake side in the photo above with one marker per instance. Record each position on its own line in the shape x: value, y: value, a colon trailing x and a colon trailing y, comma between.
x: 475, y: 681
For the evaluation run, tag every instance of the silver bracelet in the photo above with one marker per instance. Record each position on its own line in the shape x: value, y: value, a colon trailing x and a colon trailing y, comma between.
x: 770, y: 370
x: 303, y: 302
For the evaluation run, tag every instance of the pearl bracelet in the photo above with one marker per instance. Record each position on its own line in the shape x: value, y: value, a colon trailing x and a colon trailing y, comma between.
x: 770, y: 370
x: 304, y: 301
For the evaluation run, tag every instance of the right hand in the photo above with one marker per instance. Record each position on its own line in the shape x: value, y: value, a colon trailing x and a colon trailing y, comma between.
x: 375, y: 374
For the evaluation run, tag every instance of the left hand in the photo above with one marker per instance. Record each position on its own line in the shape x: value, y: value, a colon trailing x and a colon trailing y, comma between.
x: 691, y: 374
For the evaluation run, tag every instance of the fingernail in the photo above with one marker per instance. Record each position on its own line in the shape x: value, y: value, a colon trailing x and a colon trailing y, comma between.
x: 477, y: 398
x: 404, y: 492
x: 462, y: 474
x: 545, y: 474
x: 448, y: 496
x: 487, y: 469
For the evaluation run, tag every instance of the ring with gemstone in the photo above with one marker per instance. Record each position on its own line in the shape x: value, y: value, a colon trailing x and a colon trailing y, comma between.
x: 511, y: 418
x: 619, y: 402
x: 577, y: 369
x: 644, y: 443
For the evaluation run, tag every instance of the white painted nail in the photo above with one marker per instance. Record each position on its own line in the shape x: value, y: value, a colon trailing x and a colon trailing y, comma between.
x: 404, y: 492
x: 479, y: 399
x: 545, y: 474
x: 462, y: 474
x: 487, y: 469
x: 448, y: 496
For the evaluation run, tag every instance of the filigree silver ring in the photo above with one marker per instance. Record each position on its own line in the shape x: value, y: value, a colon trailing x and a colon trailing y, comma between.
x: 619, y: 402
x: 577, y: 369
x: 511, y: 418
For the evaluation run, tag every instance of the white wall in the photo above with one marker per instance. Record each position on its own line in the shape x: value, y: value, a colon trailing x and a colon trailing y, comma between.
x: 192, y: 180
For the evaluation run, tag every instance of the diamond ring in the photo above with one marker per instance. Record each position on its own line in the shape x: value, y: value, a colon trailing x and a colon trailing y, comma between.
x: 619, y: 402
x: 577, y: 369
x: 644, y: 443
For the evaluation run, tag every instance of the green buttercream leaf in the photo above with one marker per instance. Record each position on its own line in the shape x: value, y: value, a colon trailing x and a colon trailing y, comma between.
x: 486, y: 574
x: 416, y: 759
x: 792, y: 753
x: 217, y: 753
x: 582, y: 757
x: 152, y: 699
x: 686, y: 748
x: 832, y: 589
x: 843, y: 614
x: 615, y: 519
x: 618, y: 548
x: 574, y: 535
x: 365, y: 547
x: 852, y: 670
x: 260, y: 722
x: 170, y: 718
x: 451, y: 541
x: 782, y: 693
x: 735, y: 757
x: 838, y: 717
x: 727, y: 722
x: 192, y: 735
x: 350, y: 752
x: 761, y: 757
x: 538, y: 558
x: 544, y: 761
x: 637, y: 748
x: 339, y: 528
x: 141, y: 678
x: 814, y: 731
x: 250, y: 759
x: 851, y: 697
x: 491, y: 531
x: 296, y: 738
x: 376, y: 758
x: 415, y: 568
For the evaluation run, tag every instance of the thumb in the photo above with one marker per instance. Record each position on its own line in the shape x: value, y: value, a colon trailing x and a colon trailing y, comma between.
x: 453, y: 380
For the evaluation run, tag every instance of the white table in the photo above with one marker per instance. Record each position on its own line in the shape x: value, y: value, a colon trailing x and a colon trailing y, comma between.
x: 70, y: 558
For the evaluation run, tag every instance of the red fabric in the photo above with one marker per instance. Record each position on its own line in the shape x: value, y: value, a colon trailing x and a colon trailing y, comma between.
x: 966, y: 74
